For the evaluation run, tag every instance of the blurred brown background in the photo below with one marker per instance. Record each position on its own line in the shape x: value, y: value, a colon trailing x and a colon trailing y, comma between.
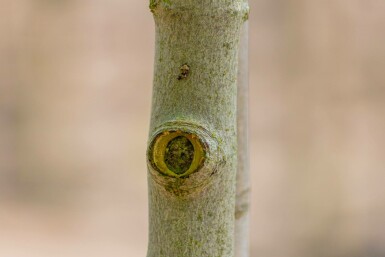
x: 75, y: 92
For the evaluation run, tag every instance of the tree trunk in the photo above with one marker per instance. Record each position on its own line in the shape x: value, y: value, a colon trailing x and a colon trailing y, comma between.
x: 192, y: 158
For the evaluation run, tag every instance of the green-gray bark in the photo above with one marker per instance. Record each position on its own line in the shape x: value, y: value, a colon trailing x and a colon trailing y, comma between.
x: 192, y: 201
x: 243, y: 177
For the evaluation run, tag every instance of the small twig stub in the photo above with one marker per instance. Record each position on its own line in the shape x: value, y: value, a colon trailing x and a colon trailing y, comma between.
x: 184, y: 71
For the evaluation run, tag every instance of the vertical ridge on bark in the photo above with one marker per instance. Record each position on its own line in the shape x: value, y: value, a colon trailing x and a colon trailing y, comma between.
x: 194, y: 94
x: 243, y: 176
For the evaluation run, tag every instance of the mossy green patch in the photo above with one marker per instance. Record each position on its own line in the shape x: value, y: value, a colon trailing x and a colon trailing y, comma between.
x: 153, y: 4
x: 179, y: 154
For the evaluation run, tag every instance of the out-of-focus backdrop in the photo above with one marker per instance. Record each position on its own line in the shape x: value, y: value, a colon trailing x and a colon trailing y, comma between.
x: 75, y: 93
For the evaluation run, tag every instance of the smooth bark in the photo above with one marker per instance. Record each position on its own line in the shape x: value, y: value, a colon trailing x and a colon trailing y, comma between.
x: 243, y: 177
x: 194, y: 96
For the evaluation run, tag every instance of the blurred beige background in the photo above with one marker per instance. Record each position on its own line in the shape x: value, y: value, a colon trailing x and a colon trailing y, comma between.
x: 75, y: 89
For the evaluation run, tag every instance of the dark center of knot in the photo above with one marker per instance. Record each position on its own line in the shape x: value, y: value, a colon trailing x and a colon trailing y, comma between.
x: 179, y: 155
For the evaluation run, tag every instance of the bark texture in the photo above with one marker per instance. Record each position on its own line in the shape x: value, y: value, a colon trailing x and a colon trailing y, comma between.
x: 194, y: 95
x: 243, y: 178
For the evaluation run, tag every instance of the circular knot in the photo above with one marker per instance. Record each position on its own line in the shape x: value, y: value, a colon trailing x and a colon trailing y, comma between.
x: 176, y: 153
